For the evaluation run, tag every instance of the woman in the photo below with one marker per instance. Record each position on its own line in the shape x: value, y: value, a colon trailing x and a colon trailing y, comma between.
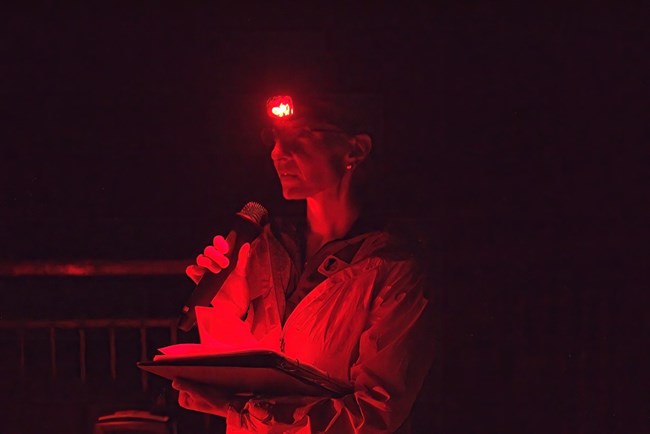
x: 332, y: 291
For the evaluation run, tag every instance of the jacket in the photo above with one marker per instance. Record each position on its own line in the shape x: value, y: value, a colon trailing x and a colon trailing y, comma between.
x: 367, y: 324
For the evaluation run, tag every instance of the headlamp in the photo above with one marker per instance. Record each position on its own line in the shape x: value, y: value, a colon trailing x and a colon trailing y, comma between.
x: 279, y: 106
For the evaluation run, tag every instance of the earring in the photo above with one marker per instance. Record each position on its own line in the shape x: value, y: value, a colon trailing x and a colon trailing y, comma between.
x: 349, y: 166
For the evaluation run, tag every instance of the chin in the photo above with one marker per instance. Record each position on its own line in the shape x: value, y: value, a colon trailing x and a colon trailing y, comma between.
x: 294, y: 191
x: 292, y: 195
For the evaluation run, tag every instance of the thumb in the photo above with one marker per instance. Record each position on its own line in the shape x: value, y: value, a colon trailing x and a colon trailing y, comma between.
x: 242, y: 260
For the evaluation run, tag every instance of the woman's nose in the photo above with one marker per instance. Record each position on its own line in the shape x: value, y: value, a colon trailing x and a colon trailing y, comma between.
x: 279, y: 150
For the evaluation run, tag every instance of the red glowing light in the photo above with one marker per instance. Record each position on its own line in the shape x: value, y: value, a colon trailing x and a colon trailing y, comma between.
x: 279, y: 106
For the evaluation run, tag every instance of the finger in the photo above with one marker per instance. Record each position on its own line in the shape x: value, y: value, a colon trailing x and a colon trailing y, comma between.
x: 218, y: 257
x: 187, y: 386
x: 180, y: 384
x: 190, y: 401
x: 208, y: 263
x: 184, y: 400
x: 242, y: 259
x: 195, y: 402
x: 194, y: 272
x: 199, y: 397
x: 221, y: 244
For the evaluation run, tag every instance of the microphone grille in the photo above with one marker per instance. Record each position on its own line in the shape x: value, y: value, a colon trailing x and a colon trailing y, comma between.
x: 255, y: 212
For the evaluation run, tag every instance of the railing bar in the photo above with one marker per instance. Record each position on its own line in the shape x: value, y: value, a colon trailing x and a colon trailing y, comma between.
x: 143, y: 356
x: 173, y: 334
x: 82, y: 355
x: 53, y: 351
x: 21, y: 343
x: 111, y: 340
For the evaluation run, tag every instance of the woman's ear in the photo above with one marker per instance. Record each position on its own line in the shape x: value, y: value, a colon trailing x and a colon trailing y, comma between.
x: 360, y: 147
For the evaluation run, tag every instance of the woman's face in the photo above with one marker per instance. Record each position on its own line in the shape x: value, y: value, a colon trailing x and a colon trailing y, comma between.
x: 308, y: 161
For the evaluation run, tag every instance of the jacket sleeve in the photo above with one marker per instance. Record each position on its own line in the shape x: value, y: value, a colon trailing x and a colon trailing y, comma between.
x: 394, y: 356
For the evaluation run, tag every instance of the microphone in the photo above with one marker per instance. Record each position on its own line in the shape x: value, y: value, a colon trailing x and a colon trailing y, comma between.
x: 247, y: 226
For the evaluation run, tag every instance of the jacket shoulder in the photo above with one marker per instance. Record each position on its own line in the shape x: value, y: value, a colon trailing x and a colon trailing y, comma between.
x: 387, y: 246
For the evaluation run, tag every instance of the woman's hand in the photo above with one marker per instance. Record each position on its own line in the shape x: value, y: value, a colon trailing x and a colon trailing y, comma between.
x: 205, y: 398
x: 213, y: 258
x: 234, y: 293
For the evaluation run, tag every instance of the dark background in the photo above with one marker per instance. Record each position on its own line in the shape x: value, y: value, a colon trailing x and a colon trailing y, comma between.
x: 511, y: 135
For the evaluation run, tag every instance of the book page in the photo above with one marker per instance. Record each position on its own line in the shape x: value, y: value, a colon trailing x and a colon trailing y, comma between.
x: 220, y: 332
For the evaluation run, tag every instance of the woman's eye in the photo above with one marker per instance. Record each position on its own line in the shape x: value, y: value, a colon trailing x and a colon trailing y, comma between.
x: 305, y: 133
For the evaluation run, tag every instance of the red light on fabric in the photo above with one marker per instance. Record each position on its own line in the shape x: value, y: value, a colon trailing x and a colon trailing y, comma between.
x: 279, y: 106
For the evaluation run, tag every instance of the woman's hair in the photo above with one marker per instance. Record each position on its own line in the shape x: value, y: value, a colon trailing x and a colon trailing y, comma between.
x: 354, y: 113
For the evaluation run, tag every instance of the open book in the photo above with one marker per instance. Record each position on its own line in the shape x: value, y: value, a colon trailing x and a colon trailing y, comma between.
x: 230, y: 358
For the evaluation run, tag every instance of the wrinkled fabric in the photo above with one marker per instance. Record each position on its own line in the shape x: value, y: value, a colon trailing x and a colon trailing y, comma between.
x: 367, y: 325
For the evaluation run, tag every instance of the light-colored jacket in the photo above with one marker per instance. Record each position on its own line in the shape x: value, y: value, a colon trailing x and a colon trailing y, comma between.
x: 368, y: 325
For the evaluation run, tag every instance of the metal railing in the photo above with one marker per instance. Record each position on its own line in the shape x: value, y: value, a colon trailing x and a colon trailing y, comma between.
x: 81, y: 355
x: 81, y: 325
x: 89, y: 268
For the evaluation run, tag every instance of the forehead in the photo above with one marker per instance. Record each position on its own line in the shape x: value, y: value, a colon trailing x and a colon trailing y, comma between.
x: 303, y: 123
x: 295, y: 133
